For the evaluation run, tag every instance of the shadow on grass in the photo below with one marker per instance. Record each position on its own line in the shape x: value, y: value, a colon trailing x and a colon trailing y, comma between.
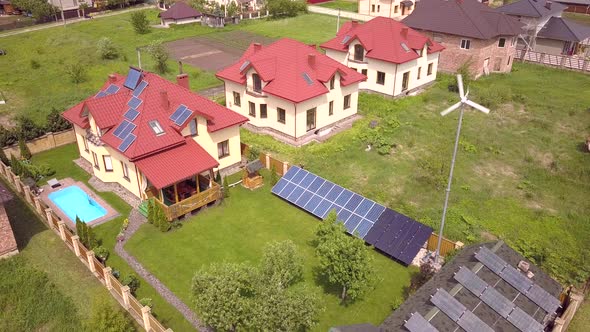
x: 24, y: 222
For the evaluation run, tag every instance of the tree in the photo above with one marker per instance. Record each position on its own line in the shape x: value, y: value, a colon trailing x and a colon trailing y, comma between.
x: 151, y: 210
x: 108, y: 318
x: 3, y: 157
x: 218, y: 178
x: 222, y: 295
x: 106, y: 49
x: 225, y: 187
x: 86, y: 234
x: 159, y: 54
x: 38, y: 8
x: 56, y: 122
x: 131, y: 281
x: 281, y: 264
x: 25, y: 153
x: 418, y: 279
x: 83, y: 6
x: 233, y: 9
x: 28, y: 129
x: 344, y: 260
x: 140, y: 22
x: 285, y: 8
x: 15, y: 165
x: 101, y: 253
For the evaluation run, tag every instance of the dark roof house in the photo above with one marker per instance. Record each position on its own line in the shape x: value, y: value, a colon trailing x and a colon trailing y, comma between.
x: 179, y: 13
x: 486, y: 287
x: 566, y: 30
x: 532, y: 8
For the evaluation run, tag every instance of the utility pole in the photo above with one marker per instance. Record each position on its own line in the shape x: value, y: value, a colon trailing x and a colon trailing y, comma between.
x: 138, y: 57
x: 338, y: 21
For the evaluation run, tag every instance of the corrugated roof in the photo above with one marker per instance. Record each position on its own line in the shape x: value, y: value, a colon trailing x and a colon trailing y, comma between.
x: 383, y: 39
x: 467, y: 18
x: 282, y: 66
x: 180, y: 10
x: 532, y: 8
x: 561, y: 29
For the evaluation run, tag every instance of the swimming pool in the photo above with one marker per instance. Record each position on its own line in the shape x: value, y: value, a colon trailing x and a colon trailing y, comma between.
x: 73, y: 201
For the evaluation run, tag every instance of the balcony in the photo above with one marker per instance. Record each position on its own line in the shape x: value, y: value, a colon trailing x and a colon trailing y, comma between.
x: 93, y: 138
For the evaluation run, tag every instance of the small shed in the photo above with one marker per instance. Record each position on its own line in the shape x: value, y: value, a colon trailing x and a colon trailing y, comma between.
x: 180, y: 13
x: 252, y: 178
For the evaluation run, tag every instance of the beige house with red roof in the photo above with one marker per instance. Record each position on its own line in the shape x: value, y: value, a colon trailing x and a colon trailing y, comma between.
x: 395, y: 58
x: 397, y: 9
x: 290, y: 90
x: 156, y: 138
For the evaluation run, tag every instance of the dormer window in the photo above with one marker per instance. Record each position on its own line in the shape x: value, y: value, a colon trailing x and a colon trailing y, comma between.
x: 156, y: 127
x: 256, y: 83
x: 359, y: 52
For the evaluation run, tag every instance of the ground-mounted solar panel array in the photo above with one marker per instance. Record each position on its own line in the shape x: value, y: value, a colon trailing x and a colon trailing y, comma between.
x: 394, y: 234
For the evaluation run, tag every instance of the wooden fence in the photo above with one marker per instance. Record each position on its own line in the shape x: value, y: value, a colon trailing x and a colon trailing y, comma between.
x: 103, y: 273
x: 559, y: 61
x: 446, y: 245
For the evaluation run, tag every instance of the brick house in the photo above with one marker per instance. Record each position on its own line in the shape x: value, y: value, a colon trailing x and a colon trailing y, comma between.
x: 395, y: 58
x: 472, y: 33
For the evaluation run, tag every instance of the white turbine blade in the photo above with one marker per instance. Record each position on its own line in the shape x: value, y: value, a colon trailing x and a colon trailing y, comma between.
x: 450, y: 109
x: 460, y: 85
x: 477, y: 106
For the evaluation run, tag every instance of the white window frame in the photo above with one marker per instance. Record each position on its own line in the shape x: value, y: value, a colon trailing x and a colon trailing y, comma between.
x: 108, y: 163
x: 193, y: 127
x: 125, y: 169
x: 156, y: 127
x: 465, y: 44
x: 223, y: 149
x: 499, y: 40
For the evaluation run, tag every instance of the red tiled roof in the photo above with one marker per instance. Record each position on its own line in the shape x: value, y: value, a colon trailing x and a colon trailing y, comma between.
x: 109, y: 112
x: 382, y: 38
x: 283, y: 64
x: 175, y: 164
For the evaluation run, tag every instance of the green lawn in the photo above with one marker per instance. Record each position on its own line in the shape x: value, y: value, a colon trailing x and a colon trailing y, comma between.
x: 581, y: 320
x: 346, y: 5
x: 580, y: 18
x: 45, y: 287
x: 237, y: 230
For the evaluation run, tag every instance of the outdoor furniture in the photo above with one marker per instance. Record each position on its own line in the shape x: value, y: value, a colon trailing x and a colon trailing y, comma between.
x: 53, y: 183
x: 252, y: 178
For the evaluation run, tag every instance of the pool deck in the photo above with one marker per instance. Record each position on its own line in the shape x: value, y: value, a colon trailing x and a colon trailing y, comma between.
x: 68, y: 182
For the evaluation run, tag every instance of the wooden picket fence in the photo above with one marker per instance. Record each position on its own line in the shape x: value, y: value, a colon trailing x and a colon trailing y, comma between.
x: 446, y: 245
x: 103, y: 273
x: 560, y: 61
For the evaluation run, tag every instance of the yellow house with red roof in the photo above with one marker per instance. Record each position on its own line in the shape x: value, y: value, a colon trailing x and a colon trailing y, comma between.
x: 157, y: 139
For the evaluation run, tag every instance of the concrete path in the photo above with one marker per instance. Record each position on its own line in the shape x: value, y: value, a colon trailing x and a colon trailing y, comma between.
x: 343, y: 13
x: 135, y: 221
x: 70, y: 21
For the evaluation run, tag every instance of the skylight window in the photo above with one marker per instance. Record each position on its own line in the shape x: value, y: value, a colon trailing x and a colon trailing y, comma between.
x: 156, y: 127
x: 244, y: 65
x: 405, y: 47
x: 346, y: 39
x: 307, y: 79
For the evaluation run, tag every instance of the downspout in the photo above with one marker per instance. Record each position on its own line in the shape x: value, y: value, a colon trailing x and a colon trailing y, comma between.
x: 394, y: 80
x: 295, y: 134
x: 138, y: 184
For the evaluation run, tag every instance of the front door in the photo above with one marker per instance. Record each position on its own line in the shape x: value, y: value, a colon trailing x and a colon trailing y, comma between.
x: 406, y: 81
x: 486, y: 66
x: 311, y: 119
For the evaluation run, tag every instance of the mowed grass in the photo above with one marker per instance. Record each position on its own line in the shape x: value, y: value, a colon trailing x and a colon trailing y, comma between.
x: 581, y: 320
x: 346, y: 5
x: 237, y: 230
x: 60, y: 159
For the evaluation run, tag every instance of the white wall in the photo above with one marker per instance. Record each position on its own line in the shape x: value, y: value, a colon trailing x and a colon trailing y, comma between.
x: 167, y: 22
x: 386, y: 8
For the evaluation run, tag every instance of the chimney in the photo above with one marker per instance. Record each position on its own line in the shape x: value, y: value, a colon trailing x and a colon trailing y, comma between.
x: 164, y: 99
x: 548, y: 5
x: 311, y: 60
x: 182, y: 80
x: 257, y: 47
x: 354, y: 23
x: 179, y: 67
x: 524, y: 266
x: 405, y: 32
x: 112, y: 78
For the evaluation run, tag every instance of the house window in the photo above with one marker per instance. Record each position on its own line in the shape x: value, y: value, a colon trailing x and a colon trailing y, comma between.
x: 364, y: 72
x: 311, y: 119
x: 378, y: 8
x: 252, y: 109
x: 223, y: 149
x: 429, y: 72
x: 465, y: 44
x: 263, y: 111
x: 125, y: 169
x: 419, y: 72
x: 395, y: 9
x: 359, y: 52
x: 353, y: 68
x: 380, y: 77
x: 346, y: 102
x: 281, y: 115
x: 85, y: 140
x: 108, y: 163
x: 332, y: 81
x: 237, y: 100
x: 257, y: 83
x: 95, y: 158
x: 331, y: 108
x: 501, y: 42
x: 373, y: 8
x: 192, y: 126
x: 406, y: 81
x: 156, y: 127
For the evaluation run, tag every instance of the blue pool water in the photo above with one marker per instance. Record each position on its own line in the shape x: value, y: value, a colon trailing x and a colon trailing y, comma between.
x: 73, y: 201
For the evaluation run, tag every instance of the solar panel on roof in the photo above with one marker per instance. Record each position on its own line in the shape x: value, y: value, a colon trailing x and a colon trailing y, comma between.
x: 345, y: 40
x: 417, y: 323
x: 139, y: 89
x: 131, y: 114
x: 122, y: 128
x: 179, y: 110
x: 405, y: 47
x: 470, y: 281
x: 307, y: 79
x: 127, y: 142
x: 133, y: 77
x: 134, y: 102
x: 112, y: 89
x: 516, y: 279
x: 244, y: 65
x: 448, y: 304
x: 523, y: 321
x: 471, y: 323
x: 101, y: 94
x: 543, y: 299
x: 497, y: 301
x: 490, y: 260
x: 183, y: 117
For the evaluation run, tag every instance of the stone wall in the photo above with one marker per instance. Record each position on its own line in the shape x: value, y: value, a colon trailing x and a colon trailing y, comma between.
x: 44, y: 143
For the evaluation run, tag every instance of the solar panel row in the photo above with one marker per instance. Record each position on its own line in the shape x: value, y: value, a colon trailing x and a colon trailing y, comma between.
x: 139, y: 89
x: 112, y: 89
x: 417, y: 323
x: 127, y: 142
x: 124, y: 129
x: 180, y: 114
x: 133, y: 77
x: 524, y: 322
x: 134, y: 102
x: 131, y: 114
x: 448, y: 304
x: 471, y: 323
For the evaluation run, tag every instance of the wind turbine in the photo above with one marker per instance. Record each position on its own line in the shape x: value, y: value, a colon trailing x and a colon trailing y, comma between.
x: 459, y: 105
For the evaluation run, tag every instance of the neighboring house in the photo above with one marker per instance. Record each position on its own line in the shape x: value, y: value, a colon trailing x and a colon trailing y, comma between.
x: 179, y: 13
x: 395, y: 58
x: 6, y: 7
x: 472, y: 33
x: 576, y: 6
x: 485, y: 287
x: 244, y: 5
x: 290, y: 90
x: 155, y: 138
x: 545, y: 30
x: 397, y: 9
x: 8, y: 246
x: 69, y: 7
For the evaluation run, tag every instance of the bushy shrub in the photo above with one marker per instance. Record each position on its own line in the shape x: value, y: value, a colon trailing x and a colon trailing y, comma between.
x: 159, y: 54
x: 225, y: 187
x: 27, y: 129
x: 146, y: 301
x: 106, y: 49
x: 140, y: 22
x: 285, y: 8
x: 76, y: 71
x: 132, y: 281
x: 7, y: 136
x: 274, y: 177
x: 25, y: 153
x: 101, y: 253
x: 56, y: 122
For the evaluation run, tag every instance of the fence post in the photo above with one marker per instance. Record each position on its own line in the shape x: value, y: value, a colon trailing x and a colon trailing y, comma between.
x: 16, y: 184
x: 28, y: 194
x: 62, y: 230
x: 38, y: 205
x: 75, y: 241
x: 145, y: 314
x: 267, y: 160
x: 107, y: 277
x: 542, y: 58
x: 562, y: 62
x: 585, y: 64
x: 48, y: 216
x: 90, y: 259
x: 285, y: 167
x: 126, y: 293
